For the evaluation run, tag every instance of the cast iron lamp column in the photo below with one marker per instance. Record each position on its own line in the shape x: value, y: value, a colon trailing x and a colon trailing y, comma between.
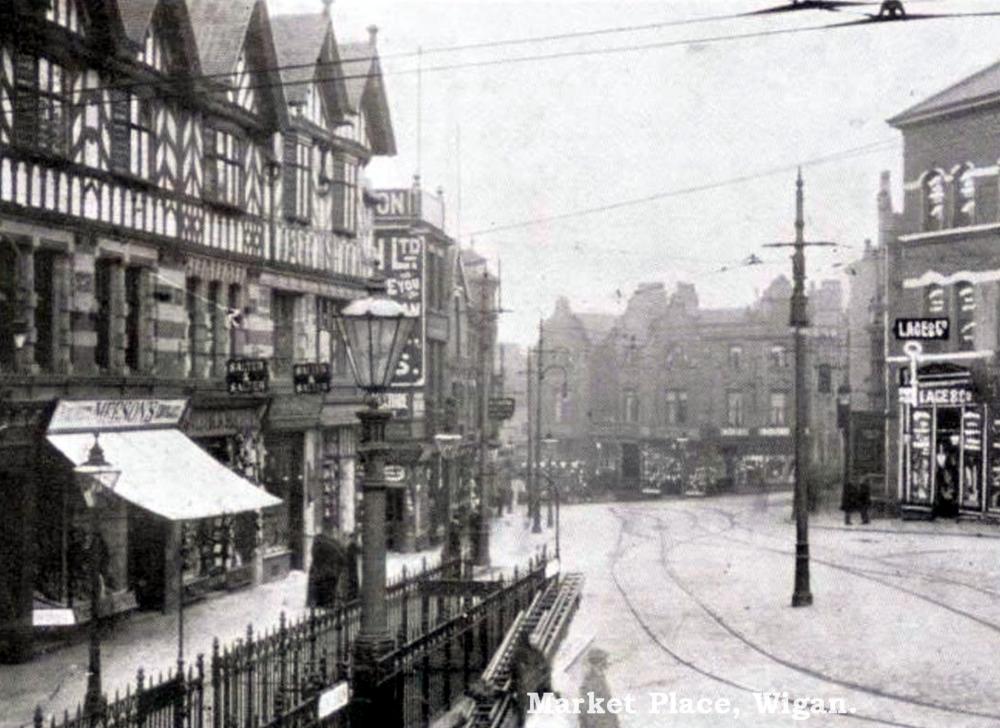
x: 551, y: 442
x: 375, y: 330
x: 94, y: 476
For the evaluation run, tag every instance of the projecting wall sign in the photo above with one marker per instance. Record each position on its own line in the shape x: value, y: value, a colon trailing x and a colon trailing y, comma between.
x: 923, y: 329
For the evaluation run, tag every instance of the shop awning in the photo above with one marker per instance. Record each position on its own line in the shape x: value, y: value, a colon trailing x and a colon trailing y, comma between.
x: 165, y: 472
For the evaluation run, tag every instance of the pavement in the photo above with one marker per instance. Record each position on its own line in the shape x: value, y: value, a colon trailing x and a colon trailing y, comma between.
x: 57, y: 680
x: 691, y: 598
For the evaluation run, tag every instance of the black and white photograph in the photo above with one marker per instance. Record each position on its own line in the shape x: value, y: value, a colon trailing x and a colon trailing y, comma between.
x: 499, y: 363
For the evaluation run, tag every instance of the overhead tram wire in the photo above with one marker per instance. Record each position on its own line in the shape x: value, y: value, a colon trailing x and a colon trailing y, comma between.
x: 707, y: 40
x: 458, y: 48
x: 706, y: 187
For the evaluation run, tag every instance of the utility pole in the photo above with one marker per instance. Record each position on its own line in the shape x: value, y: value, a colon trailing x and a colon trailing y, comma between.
x: 536, y: 495
x: 485, y: 370
x: 799, y: 319
x: 530, y: 440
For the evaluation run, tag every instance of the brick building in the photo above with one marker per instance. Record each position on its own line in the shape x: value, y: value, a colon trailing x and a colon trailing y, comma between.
x: 669, y: 387
x: 944, y: 433
x: 170, y: 201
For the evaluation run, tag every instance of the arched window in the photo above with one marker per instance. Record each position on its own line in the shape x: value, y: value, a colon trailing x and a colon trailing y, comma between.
x: 934, y: 198
x: 965, y: 197
x: 935, y: 301
x: 965, y: 301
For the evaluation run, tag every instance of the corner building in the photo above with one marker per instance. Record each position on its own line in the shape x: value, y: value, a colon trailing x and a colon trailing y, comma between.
x: 171, y: 202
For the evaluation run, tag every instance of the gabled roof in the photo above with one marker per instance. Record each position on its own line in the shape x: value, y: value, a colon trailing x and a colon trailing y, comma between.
x: 136, y: 16
x: 220, y: 30
x: 979, y: 88
x: 307, y: 49
x: 223, y: 30
x: 362, y: 73
x: 597, y: 325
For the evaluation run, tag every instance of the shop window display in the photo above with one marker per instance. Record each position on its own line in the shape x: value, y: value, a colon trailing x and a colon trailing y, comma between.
x: 920, y: 458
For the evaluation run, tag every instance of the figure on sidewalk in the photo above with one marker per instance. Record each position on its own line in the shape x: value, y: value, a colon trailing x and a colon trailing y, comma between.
x: 328, y: 562
x: 352, y: 567
x: 856, y: 497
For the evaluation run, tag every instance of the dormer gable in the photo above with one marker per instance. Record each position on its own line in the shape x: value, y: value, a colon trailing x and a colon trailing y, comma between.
x: 161, y: 35
x: 310, y: 68
x: 366, y: 95
x: 237, y: 55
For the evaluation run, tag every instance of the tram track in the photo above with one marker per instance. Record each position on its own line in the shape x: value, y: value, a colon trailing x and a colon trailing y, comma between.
x: 674, y: 578
x: 908, y: 570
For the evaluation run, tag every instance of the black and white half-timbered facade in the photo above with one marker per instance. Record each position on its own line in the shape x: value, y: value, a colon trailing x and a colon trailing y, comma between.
x: 181, y: 196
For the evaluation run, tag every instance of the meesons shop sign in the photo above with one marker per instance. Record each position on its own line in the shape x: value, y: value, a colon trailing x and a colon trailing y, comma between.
x: 116, y: 414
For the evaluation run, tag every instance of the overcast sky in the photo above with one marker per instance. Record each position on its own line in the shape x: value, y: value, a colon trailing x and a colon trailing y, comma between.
x: 546, y: 137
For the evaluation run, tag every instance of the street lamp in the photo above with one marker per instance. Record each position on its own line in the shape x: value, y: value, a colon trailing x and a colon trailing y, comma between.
x: 374, y: 329
x: 550, y: 442
x: 94, y: 476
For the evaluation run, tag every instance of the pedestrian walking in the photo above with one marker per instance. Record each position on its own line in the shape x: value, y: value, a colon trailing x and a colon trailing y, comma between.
x: 596, y: 682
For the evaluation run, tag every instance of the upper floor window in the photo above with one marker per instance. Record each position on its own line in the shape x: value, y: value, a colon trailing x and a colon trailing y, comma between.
x: 965, y: 303
x: 935, y: 301
x: 223, y: 167
x: 735, y: 414
x: 132, y: 135
x: 778, y: 411
x: 41, y: 113
x: 8, y: 304
x: 631, y: 406
x: 64, y: 13
x: 344, y: 194
x: 934, y: 199
x: 824, y: 379
x: 779, y: 356
x: 675, y: 409
x: 329, y: 346
x: 965, y: 197
x: 298, y: 189
x: 735, y: 356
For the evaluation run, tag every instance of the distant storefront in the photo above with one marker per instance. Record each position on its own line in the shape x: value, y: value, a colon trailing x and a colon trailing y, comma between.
x: 949, y: 444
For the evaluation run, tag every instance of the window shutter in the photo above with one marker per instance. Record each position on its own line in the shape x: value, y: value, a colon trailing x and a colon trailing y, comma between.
x: 290, y: 188
x: 26, y: 99
x: 211, y: 164
x: 120, y: 142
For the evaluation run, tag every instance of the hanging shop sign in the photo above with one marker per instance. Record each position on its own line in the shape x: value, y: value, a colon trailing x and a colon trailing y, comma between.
x: 311, y: 377
x: 922, y: 329
x: 501, y: 408
x: 247, y: 376
x: 115, y: 414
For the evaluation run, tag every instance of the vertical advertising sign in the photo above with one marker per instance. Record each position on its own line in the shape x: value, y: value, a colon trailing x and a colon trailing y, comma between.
x: 402, y: 264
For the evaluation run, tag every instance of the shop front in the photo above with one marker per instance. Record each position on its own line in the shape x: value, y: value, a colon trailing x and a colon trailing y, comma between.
x: 758, y: 458
x: 169, y: 490
x: 221, y: 552
x: 948, y: 445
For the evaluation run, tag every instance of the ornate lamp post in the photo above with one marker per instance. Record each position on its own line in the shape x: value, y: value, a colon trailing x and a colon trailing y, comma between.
x: 93, y: 477
x: 375, y: 329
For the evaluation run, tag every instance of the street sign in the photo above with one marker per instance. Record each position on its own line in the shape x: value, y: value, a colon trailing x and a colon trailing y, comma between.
x: 395, y: 473
x: 311, y: 377
x: 333, y: 699
x: 500, y: 408
x: 247, y: 376
x: 923, y: 329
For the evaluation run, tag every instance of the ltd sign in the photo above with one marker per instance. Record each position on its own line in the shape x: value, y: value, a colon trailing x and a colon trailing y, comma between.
x: 921, y: 329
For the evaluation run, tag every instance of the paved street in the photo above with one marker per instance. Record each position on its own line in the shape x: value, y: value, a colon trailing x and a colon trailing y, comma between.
x: 692, y: 597
x: 57, y: 680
